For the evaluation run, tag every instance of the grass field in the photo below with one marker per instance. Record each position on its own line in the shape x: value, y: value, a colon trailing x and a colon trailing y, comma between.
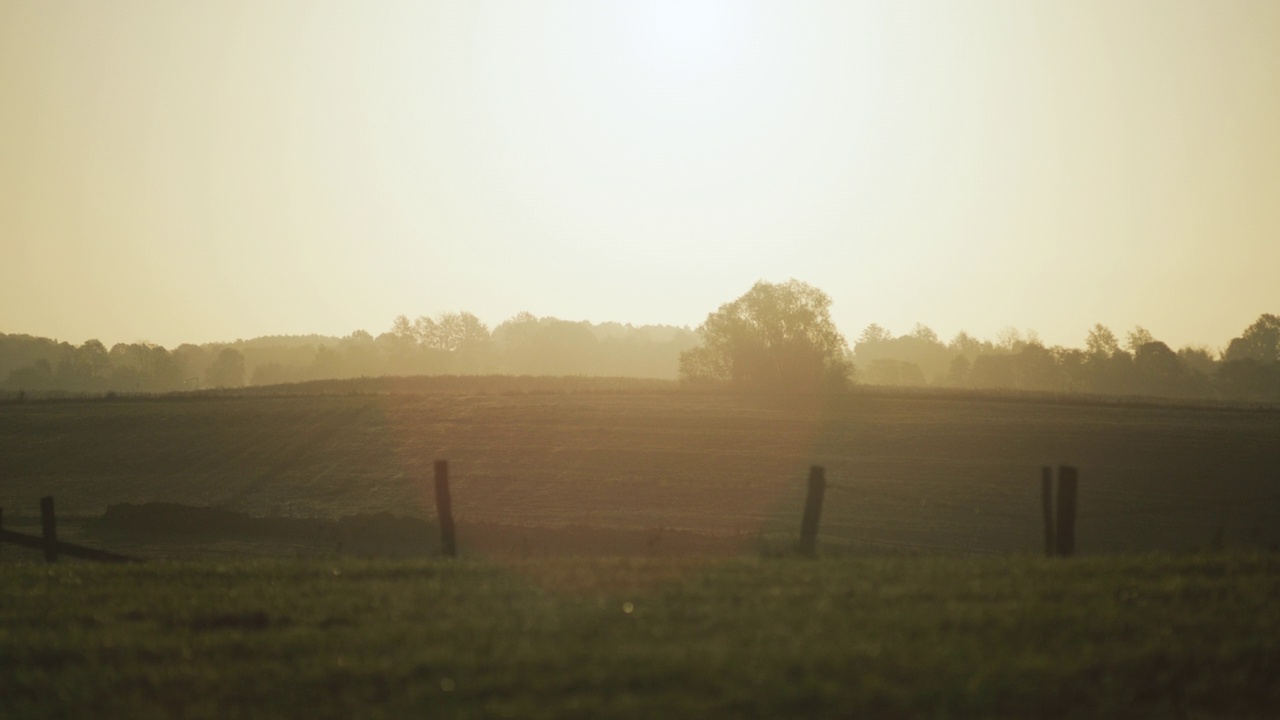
x: 635, y: 474
x: 888, y: 637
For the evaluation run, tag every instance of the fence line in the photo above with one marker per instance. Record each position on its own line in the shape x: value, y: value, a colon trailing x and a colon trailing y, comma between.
x: 49, y: 543
x: 1059, y: 518
x: 1059, y: 513
x: 1154, y: 505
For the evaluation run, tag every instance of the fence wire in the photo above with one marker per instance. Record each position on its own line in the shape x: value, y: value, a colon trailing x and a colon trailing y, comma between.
x: 1112, y: 506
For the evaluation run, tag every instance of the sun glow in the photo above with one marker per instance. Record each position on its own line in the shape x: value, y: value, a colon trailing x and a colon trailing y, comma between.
x: 922, y: 162
x: 689, y: 39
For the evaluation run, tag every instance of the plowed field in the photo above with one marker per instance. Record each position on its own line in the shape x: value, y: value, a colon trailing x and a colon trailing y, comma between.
x: 664, y: 471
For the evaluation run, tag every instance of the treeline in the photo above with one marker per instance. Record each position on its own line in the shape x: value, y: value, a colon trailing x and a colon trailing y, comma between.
x: 1248, y: 369
x: 459, y: 344
x: 449, y: 344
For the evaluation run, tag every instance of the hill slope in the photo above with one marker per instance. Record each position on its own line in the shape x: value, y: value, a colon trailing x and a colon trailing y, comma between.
x: 906, y: 472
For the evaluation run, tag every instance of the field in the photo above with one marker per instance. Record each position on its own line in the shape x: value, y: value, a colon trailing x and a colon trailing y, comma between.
x: 666, y: 473
x: 889, y: 637
x: 626, y: 554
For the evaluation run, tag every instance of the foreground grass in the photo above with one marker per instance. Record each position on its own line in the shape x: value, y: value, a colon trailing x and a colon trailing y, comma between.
x: 1010, y: 637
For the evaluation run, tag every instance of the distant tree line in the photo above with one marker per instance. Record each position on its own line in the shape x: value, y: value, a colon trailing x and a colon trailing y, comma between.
x: 779, y: 337
x: 1248, y: 369
x: 451, y: 343
x: 775, y: 337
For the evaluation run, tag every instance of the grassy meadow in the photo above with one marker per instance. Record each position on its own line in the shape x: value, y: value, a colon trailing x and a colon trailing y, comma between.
x: 1010, y: 637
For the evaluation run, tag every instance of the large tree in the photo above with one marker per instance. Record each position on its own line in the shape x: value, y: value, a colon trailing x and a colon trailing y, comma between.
x: 1101, y: 342
x: 775, y: 337
x: 1260, y: 341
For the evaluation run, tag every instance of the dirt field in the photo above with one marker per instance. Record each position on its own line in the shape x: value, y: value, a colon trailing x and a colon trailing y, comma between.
x: 601, y: 473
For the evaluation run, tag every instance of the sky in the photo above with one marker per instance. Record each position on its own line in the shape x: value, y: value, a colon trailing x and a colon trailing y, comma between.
x: 179, y: 171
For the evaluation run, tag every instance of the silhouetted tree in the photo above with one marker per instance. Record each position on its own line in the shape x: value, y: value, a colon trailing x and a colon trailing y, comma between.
x: 1249, y: 379
x: 875, y: 343
x: 1138, y: 337
x: 82, y: 368
x: 406, y: 332
x: 360, y: 355
x: 20, y: 351
x: 326, y: 364
x: 968, y: 346
x: 401, y: 346
x: 92, y: 355
x: 703, y: 365
x: 1035, y: 367
x: 1009, y: 339
x: 465, y: 340
x: 1158, y: 370
x: 227, y: 370
x: 1198, y: 359
x: 775, y: 337
x: 925, y: 334
x: 645, y: 351
x: 958, y: 372
x: 1107, y: 369
x: 993, y: 371
x: 146, y: 367
x: 874, y: 334
x: 1101, y: 342
x: 547, y: 346
x: 1260, y: 341
x: 195, y: 361
x: 920, y: 348
x: 36, y: 376
x: 1073, y: 366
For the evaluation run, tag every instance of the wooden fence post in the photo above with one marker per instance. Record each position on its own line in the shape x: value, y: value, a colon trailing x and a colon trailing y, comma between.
x: 812, y: 511
x: 1066, y: 526
x: 1046, y: 499
x: 444, y: 510
x: 49, y: 529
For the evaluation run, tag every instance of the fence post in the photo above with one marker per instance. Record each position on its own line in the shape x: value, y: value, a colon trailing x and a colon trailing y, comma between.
x: 49, y: 529
x: 1066, y: 529
x: 812, y: 511
x: 1046, y: 499
x: 444, y: 510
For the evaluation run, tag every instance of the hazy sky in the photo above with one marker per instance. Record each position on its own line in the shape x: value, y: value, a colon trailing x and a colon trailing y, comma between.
x: 196, y: 171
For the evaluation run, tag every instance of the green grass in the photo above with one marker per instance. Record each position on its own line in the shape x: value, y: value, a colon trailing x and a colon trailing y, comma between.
x: 1015, y: 637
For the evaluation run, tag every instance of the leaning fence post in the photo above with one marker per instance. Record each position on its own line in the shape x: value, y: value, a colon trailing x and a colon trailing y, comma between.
x: 49, y: 529
x: 444, y: 510
x: 812, y: 511
x: 1066, y: 526
x: 1046, y: 499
